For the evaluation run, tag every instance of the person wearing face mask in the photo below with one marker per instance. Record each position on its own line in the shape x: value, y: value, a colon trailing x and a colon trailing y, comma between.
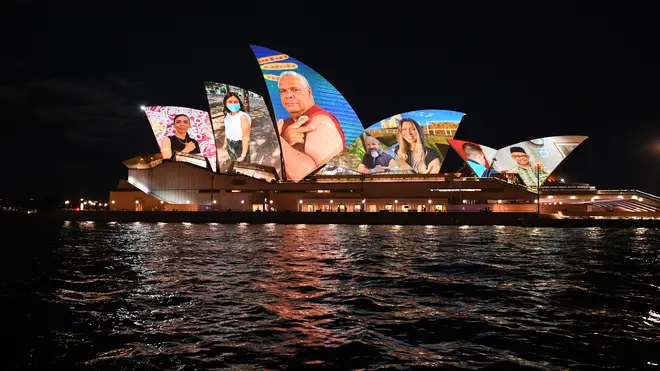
x: 181, y: 140
x: 375, y: 160
x: 237, y: 128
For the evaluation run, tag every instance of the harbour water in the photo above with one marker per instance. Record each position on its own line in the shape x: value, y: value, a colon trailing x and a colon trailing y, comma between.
x: 148, y: 296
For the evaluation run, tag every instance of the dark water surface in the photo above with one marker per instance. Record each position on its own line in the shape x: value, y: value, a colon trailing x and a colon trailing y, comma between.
x: 131, y: 296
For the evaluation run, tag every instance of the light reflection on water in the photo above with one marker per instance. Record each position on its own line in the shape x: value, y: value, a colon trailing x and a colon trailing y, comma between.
x: 164, y: 295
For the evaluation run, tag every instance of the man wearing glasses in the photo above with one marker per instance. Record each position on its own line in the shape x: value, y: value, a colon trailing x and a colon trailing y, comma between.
x: 528, y: 172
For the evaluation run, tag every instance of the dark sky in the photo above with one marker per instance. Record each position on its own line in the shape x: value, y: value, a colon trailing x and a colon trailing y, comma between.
x: 78, y: 73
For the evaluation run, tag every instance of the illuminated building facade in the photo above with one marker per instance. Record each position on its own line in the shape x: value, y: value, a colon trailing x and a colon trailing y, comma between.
x: 315, y: 155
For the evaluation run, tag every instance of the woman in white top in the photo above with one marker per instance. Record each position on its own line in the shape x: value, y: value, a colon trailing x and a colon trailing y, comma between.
x: 237, y: 128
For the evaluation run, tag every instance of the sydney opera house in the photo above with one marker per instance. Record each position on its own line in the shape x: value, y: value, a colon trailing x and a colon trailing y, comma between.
x: 302, y: 148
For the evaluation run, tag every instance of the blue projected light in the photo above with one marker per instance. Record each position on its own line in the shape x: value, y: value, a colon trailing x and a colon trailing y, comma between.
x: 325, y: 95
x: 424, y: 151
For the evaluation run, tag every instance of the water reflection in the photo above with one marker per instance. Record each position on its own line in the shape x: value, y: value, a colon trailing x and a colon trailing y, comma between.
x: 209, y: 296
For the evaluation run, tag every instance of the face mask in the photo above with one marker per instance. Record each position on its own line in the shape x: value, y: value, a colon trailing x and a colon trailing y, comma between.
x: 233, y: 107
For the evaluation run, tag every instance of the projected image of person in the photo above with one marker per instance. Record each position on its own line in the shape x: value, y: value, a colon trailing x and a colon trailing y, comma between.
x: 529, y: 172
x: 181, y: 140
x: 476, y: 158
x: 312, y: 135
x: 237, y: 128
x: 412, y: 151
x: 375, y: 160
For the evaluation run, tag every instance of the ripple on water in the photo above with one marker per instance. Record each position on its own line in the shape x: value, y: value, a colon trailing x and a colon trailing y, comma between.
x: 204, y: 296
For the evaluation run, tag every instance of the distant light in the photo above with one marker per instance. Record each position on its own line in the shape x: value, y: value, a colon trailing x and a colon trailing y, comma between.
x: 499, y: 201
x: 560, y: 202
x: 113, y: 201
x: 265, y: 200
x: 242, y: 202
x: 137, y: 201
x: 640, y: 199
x: 105, y: 204
x: 187, y: 201
x: 162, y: 202
x: 573, y: 197
x: 66, y: 202
x: 271, y: 201
x: 429, y: 201
x: 81, y: 200
x: 536, y: 201
x: 363, y: 200
x: 300, y: 202
x: 214, y: 201
x: 396, y: 201
x: 551, y: 196
x: 562, y: 180
x: 620, y: 196
x: 331, y: 201
x: 464, y: 201
x: 143, y: 108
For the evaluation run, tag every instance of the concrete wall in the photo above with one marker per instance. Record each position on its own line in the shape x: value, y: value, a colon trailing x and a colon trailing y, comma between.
x: 178, y: 183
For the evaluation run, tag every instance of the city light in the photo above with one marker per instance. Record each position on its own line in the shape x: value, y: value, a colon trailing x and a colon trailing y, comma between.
x: 429, y: 201
x: 105, y: 204
x: 113, y: 202
x: 300, y: 202
x: 396, y: 201
x: 66, y: 202
x: 331, y: 201
x: 364, y: 200
x: 242, y: 202
x: 536, y: 201
x: 143, y: 108
x: 271, y: 202
x: 162, y: 202
x: 499, y: 201
x: 214, y: 202
x: 137, y: 202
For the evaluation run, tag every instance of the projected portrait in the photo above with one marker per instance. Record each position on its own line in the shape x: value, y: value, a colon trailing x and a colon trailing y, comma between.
x: 534, y: 160
x: 185, y: 131
x: 244, y: 131
x: 478, y: 157
x: 314, y: 121
x: 417, y: 141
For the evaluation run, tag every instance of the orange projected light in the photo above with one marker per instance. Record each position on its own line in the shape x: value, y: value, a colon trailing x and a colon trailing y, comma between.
x: 273, y: 58
x: 272, y: 77
x: 279, y: 66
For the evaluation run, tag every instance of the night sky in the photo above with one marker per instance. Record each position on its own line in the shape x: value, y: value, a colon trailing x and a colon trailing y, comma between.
x: 78, y: 73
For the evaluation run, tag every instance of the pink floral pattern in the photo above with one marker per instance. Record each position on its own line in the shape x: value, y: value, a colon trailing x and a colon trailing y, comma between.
x: 161, y: 119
